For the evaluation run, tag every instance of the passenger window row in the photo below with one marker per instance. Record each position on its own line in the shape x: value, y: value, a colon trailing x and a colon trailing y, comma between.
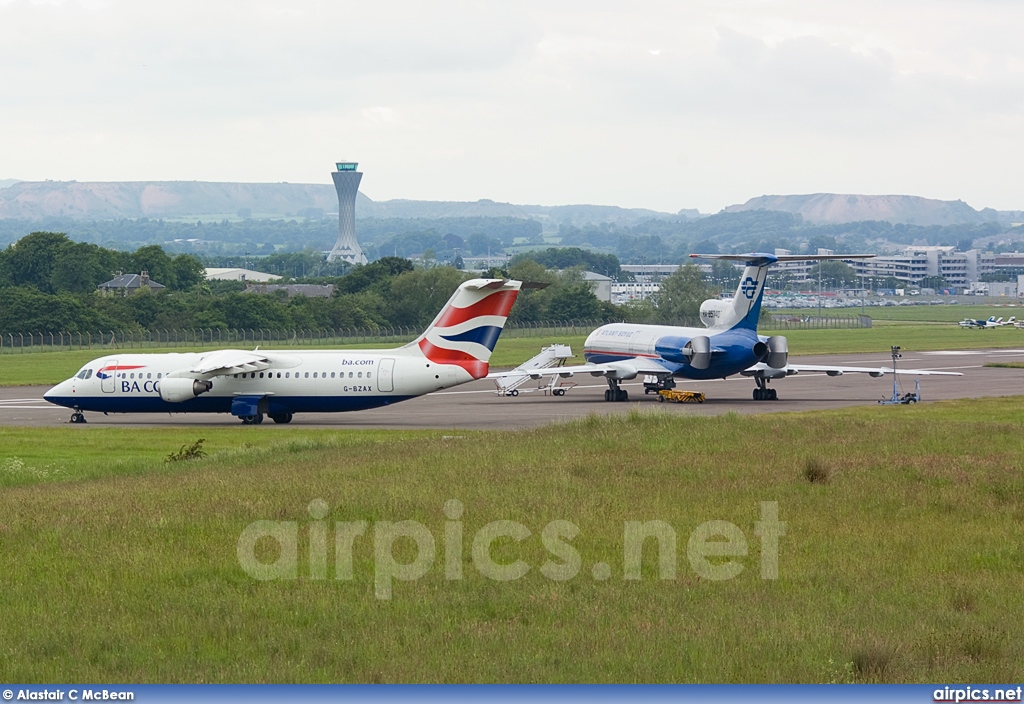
x: 87, y: 374
x: 315, y: 375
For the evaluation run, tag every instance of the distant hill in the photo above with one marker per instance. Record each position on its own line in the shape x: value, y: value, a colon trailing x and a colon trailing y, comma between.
x: 5, y: 182
x: 35, y: 200
x: 159, y: 199
x: 838, y: 208
x: 590, y: 214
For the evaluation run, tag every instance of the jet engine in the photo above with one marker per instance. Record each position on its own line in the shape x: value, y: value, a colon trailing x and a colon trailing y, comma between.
x: 778, y: 352
x: 177, y: 390
x: 699, y: 352
x: 696, y: 351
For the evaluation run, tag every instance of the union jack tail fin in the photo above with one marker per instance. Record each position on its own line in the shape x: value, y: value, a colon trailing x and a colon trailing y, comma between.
x: 465, y: 331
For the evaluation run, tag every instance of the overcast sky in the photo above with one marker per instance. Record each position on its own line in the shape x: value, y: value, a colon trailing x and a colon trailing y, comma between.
x: 663, y: 105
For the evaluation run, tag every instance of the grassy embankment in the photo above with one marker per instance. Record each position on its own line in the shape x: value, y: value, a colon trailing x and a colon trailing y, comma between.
x: 901, y: 562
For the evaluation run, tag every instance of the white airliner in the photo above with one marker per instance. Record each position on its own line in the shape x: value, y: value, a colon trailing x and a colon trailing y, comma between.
x: 453, y: 350
x: 729, y: 345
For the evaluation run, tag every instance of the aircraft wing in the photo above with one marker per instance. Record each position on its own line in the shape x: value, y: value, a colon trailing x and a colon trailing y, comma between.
x: 225, y: 362
x: 625, y: 369
x: 762, y: 369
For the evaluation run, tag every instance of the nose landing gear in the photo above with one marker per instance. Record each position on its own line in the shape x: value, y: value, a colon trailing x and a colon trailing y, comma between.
x: 78, y: 417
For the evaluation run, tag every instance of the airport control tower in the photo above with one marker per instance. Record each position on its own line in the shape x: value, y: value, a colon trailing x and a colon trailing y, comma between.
x: 346, y: 182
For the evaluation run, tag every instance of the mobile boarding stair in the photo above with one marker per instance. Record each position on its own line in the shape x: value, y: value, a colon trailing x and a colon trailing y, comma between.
x: 552, y: 356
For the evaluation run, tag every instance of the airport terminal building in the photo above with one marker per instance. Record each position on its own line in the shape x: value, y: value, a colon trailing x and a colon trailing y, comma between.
x: 957, y: 269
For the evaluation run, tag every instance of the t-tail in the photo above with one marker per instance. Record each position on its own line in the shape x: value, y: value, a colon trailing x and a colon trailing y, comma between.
x: 467, y: 328
x: 745, y: 309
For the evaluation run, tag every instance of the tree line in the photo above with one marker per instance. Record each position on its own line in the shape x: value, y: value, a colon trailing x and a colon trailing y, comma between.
x: 446, y: 240
x: 48, y: 283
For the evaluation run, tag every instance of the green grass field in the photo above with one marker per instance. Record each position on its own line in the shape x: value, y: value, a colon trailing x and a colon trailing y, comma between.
x: 934, y: 314
x: 901, y: 562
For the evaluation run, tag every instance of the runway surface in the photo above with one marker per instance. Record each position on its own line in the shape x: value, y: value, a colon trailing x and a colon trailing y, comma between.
x: 475, y: 406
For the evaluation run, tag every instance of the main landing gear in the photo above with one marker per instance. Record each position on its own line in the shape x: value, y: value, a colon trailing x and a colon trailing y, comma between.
x: 762, y: 392
x: 614, y: 393
x: 257, y: 418
x: 78, y: 417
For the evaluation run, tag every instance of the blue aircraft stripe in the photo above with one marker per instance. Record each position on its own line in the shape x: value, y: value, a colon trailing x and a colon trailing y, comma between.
x: 486, y: 335
x: 132, y: 403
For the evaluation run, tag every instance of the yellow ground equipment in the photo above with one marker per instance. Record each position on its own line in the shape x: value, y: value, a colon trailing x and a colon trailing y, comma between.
x: 681, y: 396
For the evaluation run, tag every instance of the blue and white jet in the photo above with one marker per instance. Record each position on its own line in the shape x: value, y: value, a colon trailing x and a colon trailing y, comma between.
x: 728, y: 345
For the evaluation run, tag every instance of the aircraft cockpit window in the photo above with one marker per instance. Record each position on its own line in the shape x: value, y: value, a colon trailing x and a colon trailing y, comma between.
x: 84, y: 374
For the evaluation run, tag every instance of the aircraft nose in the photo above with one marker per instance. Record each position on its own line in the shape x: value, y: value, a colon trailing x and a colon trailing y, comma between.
x: 53, y: 394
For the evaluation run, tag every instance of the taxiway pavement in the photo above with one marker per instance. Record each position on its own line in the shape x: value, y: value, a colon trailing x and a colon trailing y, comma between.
x: 476, y: 406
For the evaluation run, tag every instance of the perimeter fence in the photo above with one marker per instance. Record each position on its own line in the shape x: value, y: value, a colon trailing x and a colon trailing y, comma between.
x: 15, y: 342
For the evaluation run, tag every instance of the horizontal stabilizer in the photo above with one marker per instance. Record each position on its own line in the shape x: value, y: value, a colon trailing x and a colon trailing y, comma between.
x: 755, y: 259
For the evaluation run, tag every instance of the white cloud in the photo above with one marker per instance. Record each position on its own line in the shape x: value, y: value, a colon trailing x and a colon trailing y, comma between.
x: 654, y: 104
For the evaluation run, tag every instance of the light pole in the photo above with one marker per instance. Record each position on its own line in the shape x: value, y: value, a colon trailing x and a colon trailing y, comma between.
x: 819, y: 291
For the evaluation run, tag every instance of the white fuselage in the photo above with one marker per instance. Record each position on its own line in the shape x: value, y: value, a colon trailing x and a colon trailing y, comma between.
x: 296, y: 381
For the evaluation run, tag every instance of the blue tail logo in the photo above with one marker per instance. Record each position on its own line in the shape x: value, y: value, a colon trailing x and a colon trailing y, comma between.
x: 748, y: 287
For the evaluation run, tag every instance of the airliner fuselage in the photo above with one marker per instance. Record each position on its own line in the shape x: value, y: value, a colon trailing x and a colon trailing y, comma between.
x: 454, y: 349
x: 293, y: 383
x: 735, y: 349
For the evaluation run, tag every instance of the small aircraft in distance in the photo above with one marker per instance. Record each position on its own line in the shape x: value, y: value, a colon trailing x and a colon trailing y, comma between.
x: 992, y: 322
x: 728, y: 345
x: 454, y: 349
x: 968, y: 323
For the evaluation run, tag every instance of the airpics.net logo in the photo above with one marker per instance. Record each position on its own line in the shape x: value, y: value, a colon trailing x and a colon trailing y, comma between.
x: 716, y: 550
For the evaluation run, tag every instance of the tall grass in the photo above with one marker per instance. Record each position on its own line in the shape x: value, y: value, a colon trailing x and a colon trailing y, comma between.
x: 905, y: 567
